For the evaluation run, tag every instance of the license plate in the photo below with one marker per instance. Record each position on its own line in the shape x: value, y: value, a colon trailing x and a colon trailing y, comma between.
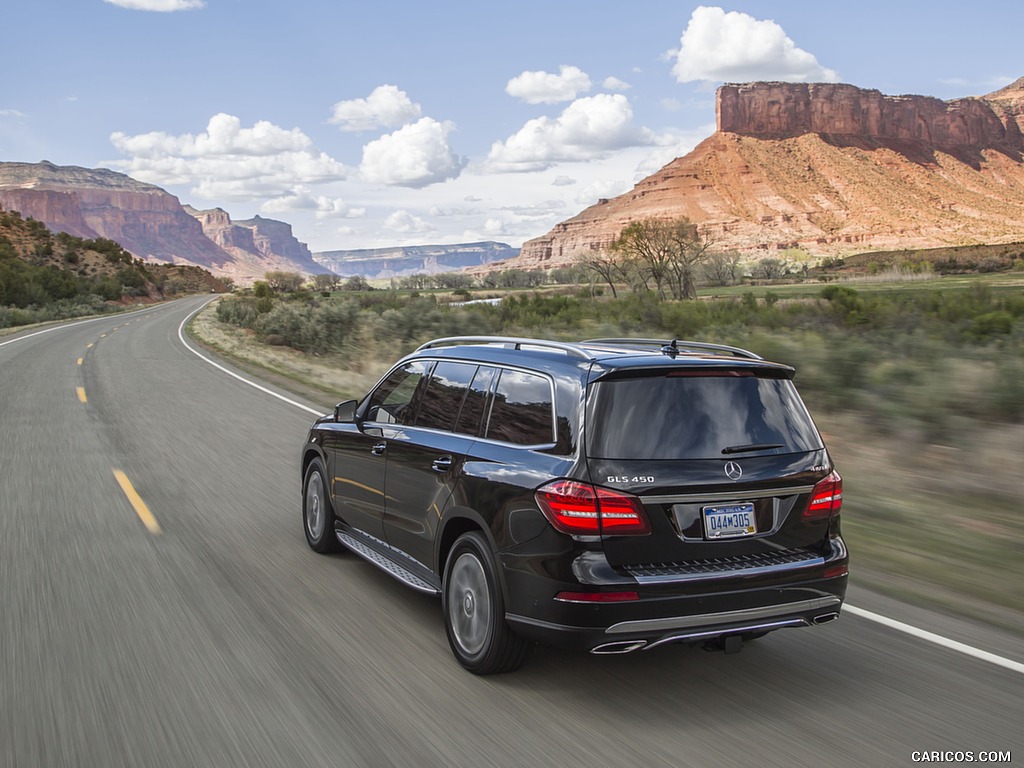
x: 725, y: 522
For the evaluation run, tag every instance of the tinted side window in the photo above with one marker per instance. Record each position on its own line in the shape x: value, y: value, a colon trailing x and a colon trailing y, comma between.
x: 522, y: 411
x: 476, y: 400
x: 444, y: 394
x: 394, y: 400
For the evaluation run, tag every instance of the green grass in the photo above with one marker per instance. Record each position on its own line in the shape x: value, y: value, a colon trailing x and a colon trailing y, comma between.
x: 1002, y: 281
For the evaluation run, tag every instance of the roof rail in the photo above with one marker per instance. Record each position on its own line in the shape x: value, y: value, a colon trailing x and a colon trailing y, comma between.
x: 509, y: 342
x: 664, y: 345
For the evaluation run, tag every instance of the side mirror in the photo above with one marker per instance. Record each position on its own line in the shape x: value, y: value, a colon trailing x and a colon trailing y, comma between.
x: 345, y: 412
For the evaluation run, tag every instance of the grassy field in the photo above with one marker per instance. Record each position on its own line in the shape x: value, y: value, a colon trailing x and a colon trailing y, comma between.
x: 923, y: 413
x: 881, y: 283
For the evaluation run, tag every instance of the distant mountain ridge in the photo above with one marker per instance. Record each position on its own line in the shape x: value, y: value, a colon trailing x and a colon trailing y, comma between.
x: 154, y: 225
x: 831, y: 169
x: 413, y: 259
x: 149, y: 222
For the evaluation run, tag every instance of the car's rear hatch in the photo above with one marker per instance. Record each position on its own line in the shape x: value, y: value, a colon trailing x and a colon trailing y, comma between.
x: 724, y: 460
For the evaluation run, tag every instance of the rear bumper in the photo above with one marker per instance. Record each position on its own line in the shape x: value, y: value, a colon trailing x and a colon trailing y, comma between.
x: 674, y: 607
x: 636, y: 634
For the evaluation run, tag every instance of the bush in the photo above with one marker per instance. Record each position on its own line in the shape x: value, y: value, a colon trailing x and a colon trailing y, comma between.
x: 991, y: 324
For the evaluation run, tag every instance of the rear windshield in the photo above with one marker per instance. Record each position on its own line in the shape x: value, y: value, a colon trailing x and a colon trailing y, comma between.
x: 697, y: 416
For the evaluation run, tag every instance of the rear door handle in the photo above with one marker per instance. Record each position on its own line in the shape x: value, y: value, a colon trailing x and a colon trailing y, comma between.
x: 378, y: 449
x: 442, y: 464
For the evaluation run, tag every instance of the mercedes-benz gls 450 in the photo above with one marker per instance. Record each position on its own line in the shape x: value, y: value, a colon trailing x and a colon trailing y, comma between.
x: 611, y: 495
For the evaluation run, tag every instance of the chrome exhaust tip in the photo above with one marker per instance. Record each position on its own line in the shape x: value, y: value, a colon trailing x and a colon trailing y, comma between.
x: 617, y: 648
x: 825, y: 618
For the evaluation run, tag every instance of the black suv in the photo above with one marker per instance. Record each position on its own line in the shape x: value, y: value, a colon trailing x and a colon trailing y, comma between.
x: 609, y: 495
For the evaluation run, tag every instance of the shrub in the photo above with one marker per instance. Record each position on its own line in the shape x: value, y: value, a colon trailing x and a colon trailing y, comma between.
x: 991, y: 324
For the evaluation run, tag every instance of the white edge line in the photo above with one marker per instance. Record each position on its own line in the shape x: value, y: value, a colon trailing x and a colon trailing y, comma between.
x: 921, y: 634
x: 79, y: 322
x: 931, y: 637
x: 181, y: 335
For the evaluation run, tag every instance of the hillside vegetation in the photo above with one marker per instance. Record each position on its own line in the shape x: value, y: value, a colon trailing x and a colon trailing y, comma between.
x: 46, y: 276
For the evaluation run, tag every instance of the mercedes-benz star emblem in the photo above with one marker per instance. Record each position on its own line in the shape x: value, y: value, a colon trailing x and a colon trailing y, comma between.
x: 733, y: 470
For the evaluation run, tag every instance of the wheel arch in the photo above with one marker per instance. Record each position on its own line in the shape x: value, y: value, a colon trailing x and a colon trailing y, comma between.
x: 455, y: 523
x: 309, y: 452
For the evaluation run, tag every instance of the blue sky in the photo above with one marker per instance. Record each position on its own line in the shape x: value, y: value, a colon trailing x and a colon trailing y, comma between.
x: 378, y: 124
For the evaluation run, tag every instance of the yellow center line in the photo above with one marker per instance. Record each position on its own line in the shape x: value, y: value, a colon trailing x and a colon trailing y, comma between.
x: 136, y: 501
x: 81, y: 394
x: 79, y: 361
x: 103, y: 335
x: 89, y: 345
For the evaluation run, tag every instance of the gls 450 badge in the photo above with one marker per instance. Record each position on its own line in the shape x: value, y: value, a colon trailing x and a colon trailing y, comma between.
x: 629, y: 479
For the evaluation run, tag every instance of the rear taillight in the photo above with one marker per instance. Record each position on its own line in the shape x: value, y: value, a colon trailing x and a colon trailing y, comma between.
x: 581, y: 508
x: 826, y: 498
x: 837, y: 571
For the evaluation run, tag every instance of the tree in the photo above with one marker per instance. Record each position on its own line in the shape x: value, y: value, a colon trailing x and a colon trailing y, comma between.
x: 328, y: 282
x: 769, y: 269
x: 668, y: 252
x: 284, y: 282
x: 357, y: 283
x: 452, y: 280
x: 417, y: 282
x: 722, y: 268
x: 517, y: 278
x: 602, y: 265
x: 565, y: 275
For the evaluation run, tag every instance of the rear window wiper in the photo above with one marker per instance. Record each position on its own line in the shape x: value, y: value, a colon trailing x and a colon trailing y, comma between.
x: 751, y: 447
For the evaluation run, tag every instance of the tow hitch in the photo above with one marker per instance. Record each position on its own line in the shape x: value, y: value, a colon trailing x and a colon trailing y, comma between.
x: 728, y: 644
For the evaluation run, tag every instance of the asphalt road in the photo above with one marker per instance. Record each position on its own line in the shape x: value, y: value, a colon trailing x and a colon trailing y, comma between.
x: 222, y: 640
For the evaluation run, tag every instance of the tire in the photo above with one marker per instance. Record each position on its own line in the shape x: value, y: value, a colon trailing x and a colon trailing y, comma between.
x: 317, y: 514
x: 474, y: 610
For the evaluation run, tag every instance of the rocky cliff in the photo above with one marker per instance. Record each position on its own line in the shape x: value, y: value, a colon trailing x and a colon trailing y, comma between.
x: 144, y: 219
x: 149, y: 222
x: 781, y: 110
x: 411, y: 260
x: 256, y: 245
x: 831, y: 169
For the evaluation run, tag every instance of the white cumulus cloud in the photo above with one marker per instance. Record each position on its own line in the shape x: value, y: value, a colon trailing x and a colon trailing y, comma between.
x: 163, y: 6
x: 227, y: 160
x: 385, y: 107
x: 614, y: 84
x: 415, y: 155
x: 494, y: 227
x: 549, y: 88
x: 589, y: 127
x: 301, y: 198
x: 405, y: 223
x: 734, y: 47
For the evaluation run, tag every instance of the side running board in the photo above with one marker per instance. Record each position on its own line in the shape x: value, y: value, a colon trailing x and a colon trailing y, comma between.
x: 388, y: 559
